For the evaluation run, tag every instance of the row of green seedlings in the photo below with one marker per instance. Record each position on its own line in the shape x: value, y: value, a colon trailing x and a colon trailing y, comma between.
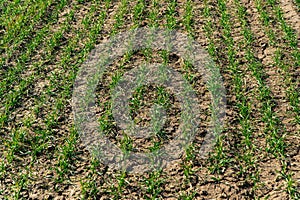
x: 278, y: 57
x: 278, y: 61
x: 292, y: 94
x: 293, y: 90
x: 14, y: 98
x: 20, y: 143
x: 188, y: 18
x: 120, y: 16
x: 20, y: 178
x: 273, y: 126
x: 11, y: 100
x: 290, y: 35
x: 139, y: 13
x: 19, y: 33
x: 126, y: 143
x: 275, y: 138
x: 153, y: 14
x: 90, y: 186
x: 12, y: 76
x: 171, y: 24
x: 40, y: 142
x: 190, y: 152
x: 187, y: 164
x: 16, y: 136
x: 153, y: 182
x: 15, y: 146
x: 244, y: 105
x: 219, y: 160
x: 91, y: 30
x: 20, y: 20
x: 66, y: 153
x: 106, y: 118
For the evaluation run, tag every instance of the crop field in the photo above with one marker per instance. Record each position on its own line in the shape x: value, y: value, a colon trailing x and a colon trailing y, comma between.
x: 254, y: 44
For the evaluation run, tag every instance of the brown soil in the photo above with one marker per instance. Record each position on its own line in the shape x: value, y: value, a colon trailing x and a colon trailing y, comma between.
x: 227, y: 184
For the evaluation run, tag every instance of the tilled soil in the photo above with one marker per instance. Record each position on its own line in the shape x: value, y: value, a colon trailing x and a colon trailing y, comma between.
x: 87, y: 178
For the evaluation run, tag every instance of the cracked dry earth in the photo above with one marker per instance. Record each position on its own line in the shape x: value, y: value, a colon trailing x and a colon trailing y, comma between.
x: 41, y: 154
